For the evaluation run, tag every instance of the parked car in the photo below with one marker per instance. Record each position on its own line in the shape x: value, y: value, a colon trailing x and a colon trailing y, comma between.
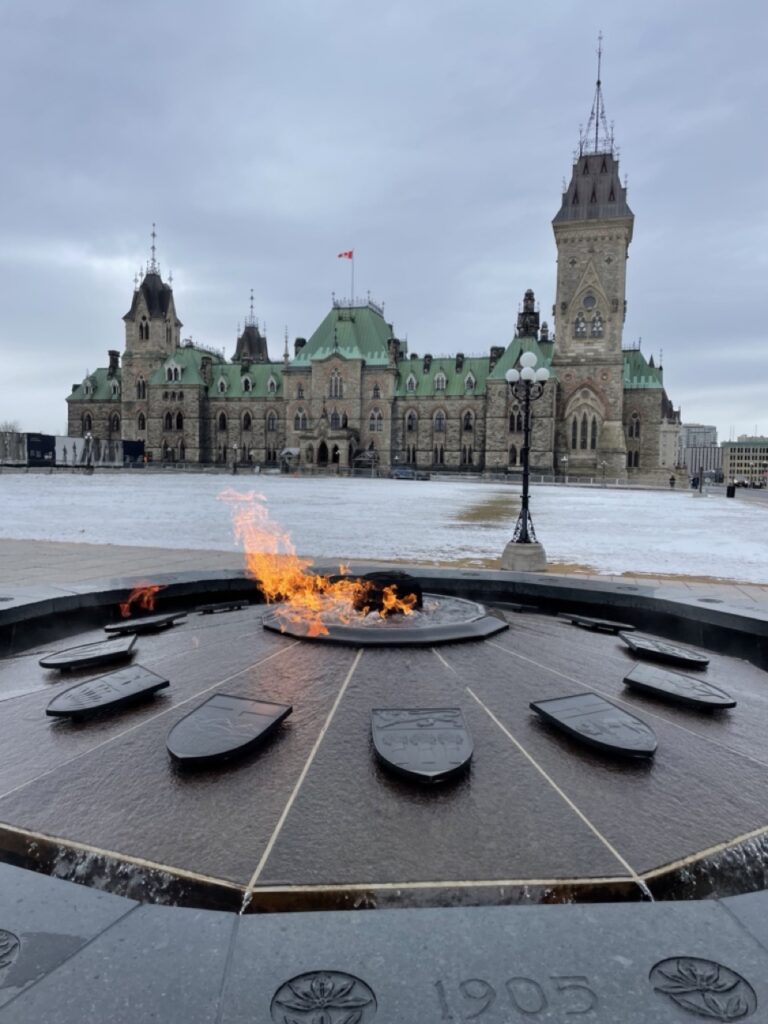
x: 407, y: 473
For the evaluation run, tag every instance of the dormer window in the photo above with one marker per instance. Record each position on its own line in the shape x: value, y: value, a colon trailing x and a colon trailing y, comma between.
x: 469, y: 382
x: 247, y: 385
x: 222, y: 385
x: 440, y: 382
x: 115, y: 389
x: 271, y: 385
x: 410, y: 384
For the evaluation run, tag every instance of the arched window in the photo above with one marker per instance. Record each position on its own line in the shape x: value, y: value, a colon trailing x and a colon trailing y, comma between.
x: 440, y: 382
x: 181, y: 396
x: 300, y: 392
x: 512, y: 455
x: 376, y: 393
x: 176, y: 373
x: 168, y: 421
x: 597, y: 326
x: 114, y: 423
x: 344, y: 420
x: 438, y: 423
x: 271, y: 422
x: 469, y: 382
x: 593, y: 434
x: 336, y: 385
x: 179, y: 421
x: 411, y: 422
x: 222, y: 385
x: 574, y: 433
x: 335, y: 420
x: 410, y: 384
x: 375, y: 421
x: 141, y: 422
x: 87, y: 423
x: 141, y: 388
x: 300, y: 420
x: 580, y: 327
x: 637, y: 459
x: 634, y: 425
x: 247, y: 384
x: 247, y: 421
x: 468, y: 423
x: 167, y: 334
x: 182, y: 449
x: 168, y: 373
x: 222, y: 421
x: 515, y: 420
x: 583, y: 438
x: 272, y: 385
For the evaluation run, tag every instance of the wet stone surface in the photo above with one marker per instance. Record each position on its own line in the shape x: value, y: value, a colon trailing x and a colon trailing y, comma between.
x: 312, y: 818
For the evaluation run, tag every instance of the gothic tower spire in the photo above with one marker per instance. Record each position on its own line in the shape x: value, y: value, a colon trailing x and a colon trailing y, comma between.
x: 597, y: 137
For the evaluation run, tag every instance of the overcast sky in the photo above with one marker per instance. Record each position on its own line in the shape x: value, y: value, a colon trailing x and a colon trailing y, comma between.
x: 431, y: 136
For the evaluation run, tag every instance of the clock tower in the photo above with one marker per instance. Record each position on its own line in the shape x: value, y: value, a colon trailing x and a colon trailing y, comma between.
x: 593, y: 229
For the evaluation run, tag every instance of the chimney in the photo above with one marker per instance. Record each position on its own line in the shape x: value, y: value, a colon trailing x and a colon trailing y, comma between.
x: 459, y: 361
x: 544, y: 331
x: 114, y: 362
x: 497, y: 352
x: 298, y: 345
x: 393, y: 345
x: 205, y: 369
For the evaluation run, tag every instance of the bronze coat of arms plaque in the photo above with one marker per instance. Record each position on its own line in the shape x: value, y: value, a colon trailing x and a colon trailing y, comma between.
x: 593, y: 720
x: 103, y: 652
x: 428, y: 744
x: 678, y: 688
x: 108, y: 692
x: 223, y: 727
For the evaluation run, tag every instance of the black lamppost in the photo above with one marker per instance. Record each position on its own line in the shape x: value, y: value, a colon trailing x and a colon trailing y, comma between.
x: 235, y: 450
x: 527, y: 385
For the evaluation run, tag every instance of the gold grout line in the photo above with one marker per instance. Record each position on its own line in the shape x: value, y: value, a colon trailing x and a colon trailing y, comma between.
x: 634, y: 708
x: 701, y: 854
x: 299, y: 782
x: 71, y: 844
x: 146, y: 721
x: 558, y: 790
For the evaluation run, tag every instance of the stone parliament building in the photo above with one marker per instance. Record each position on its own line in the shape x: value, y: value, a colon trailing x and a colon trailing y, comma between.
x: 353, y: 396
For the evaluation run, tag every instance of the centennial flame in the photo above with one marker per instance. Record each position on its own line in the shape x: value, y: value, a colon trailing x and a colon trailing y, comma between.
x: 271, y: 560
x: 143, y: 596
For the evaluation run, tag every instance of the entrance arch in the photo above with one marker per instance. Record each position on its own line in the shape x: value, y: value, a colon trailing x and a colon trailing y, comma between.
x: 335, y: 455
x: 322, y: 454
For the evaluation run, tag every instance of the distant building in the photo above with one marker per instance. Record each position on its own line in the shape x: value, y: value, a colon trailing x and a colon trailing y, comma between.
x: 354, y: 396
x: 698, y: 450
x: 746, y: 460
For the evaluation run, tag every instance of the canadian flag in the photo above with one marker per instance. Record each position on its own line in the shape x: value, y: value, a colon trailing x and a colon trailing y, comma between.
x: 348, y: 255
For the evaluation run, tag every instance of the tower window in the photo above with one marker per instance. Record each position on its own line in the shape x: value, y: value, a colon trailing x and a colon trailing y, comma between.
x: 597, y: 326
x: 580, y: 327
x: 376, y: 391
x: 222, y: 421
x: 336, y: 385
x: 299, y: 390
x: 376, y: 421
x: 141, y: 422
x: 168, y: 422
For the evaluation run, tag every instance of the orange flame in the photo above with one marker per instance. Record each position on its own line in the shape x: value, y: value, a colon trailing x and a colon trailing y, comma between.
x: 271, y: 560
x: 143, y: 596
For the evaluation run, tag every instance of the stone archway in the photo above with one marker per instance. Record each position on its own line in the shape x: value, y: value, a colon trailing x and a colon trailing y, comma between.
x: 335, y: 455
x: 322, y: 454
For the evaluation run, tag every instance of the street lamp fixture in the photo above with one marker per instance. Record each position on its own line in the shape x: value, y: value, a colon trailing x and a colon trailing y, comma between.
x: 235, y: 450
x: 564, y: 464
x: 526, y: 385
x: 603, y: 467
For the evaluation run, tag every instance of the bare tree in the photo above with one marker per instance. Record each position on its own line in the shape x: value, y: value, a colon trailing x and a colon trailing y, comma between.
x: 10, y: 427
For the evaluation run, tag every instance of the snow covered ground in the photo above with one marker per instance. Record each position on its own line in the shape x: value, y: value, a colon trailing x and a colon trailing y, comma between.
x: 607, y: 531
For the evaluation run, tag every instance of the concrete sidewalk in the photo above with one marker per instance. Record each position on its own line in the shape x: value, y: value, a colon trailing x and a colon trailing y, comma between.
x: 30, y: 563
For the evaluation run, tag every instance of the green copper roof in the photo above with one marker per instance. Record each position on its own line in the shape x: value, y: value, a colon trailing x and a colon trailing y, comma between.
x: 510, y: 359
x: 357, y: 332
x: 417, y: 382
x: 101, y: 389
x: 639, y: 373
x: 235, y: 377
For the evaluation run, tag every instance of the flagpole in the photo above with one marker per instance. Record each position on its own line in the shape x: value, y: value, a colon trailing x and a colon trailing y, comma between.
x: 352, y: 269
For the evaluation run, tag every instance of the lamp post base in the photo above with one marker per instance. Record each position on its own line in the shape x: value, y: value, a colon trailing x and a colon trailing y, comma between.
x: 523, y: 557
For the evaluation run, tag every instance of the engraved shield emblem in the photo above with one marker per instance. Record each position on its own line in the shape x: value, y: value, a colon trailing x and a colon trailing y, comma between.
x: 428, y: 744
x: 592, y: 719
x: 223, y: 727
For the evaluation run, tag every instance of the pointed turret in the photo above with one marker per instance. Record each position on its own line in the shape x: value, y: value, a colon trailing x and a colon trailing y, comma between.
x: 251, y: 344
